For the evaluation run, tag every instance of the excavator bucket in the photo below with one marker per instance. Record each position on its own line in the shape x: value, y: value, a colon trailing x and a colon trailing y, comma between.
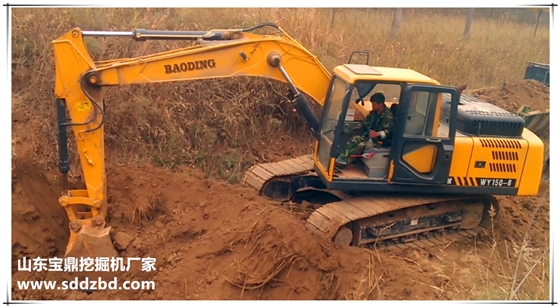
x: 89, y: 235
x: 91, y: 242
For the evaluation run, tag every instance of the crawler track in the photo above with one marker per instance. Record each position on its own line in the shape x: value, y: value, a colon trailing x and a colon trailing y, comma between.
x: 385, y: 222
x: 258, y: 176
x: 403, y: 222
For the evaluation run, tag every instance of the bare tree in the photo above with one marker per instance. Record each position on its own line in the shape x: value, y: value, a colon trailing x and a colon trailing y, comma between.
x: 540, y: 11
x: 397, y: 19
x: 470, y: 15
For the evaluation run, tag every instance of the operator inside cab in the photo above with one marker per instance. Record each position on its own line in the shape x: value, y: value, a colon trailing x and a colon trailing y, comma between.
x: 374, y: 129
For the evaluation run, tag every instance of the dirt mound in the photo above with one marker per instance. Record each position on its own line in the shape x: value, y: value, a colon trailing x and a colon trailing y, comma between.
x: 212, y: 240
x: 34, y: 203
x: 218, y: 241
x: 513, y: 95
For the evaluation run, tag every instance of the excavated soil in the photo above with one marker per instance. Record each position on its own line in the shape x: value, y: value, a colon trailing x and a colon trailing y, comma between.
x: 217, y: 241
x: 511, y: 96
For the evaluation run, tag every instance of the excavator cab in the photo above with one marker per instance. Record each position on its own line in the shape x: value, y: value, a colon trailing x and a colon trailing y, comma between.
x: 420, y: 148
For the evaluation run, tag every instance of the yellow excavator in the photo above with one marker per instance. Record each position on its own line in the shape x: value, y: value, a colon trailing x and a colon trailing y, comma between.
x: 432, y: 182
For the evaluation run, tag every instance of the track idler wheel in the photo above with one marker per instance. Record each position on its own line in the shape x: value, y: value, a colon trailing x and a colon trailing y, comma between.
x: 343, y: 236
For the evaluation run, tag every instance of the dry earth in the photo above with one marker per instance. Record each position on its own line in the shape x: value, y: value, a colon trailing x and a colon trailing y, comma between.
x: 218, y: 241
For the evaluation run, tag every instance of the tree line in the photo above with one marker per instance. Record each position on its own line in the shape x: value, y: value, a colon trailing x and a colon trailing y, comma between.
x: 539, y: 17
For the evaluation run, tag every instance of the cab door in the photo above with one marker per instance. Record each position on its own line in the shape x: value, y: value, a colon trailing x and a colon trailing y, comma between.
x: 332, y: 121
x: 419, y: 154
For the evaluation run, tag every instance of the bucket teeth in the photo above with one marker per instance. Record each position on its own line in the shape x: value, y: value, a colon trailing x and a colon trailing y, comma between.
x: 90, y: 242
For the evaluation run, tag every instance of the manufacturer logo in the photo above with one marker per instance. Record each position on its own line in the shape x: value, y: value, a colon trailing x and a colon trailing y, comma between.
x: 184, y: 67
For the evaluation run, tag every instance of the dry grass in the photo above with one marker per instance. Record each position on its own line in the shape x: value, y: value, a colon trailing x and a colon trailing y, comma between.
x: 495, y: 266
x: 515, y: 271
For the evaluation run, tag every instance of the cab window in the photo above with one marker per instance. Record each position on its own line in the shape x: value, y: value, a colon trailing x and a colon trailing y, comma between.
x: 421, y: 113
x: 334, y: 106
x: 364, y: 90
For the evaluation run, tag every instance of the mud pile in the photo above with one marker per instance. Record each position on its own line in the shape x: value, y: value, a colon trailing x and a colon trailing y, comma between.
x: 511, y: 96
x: 217, y: 241
x: 211, y: 241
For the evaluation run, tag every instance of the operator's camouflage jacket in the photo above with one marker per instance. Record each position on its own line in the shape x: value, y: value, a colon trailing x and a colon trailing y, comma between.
x: 382, y: 123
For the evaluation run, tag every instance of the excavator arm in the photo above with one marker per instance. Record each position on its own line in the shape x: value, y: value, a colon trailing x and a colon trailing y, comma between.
x: 219, y: 54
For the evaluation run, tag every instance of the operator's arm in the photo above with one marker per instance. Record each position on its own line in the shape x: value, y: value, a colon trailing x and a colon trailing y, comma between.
x: 387, y: 125
x: 366, y: 123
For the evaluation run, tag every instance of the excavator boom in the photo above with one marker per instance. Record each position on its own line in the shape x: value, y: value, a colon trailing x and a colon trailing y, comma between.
x: 219, y: 54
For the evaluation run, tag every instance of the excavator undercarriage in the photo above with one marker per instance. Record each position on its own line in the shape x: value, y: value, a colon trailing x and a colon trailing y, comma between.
x: 382, y: 221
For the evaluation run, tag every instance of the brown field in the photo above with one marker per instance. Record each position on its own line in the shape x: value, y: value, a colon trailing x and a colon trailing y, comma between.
x: 176, y: 153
